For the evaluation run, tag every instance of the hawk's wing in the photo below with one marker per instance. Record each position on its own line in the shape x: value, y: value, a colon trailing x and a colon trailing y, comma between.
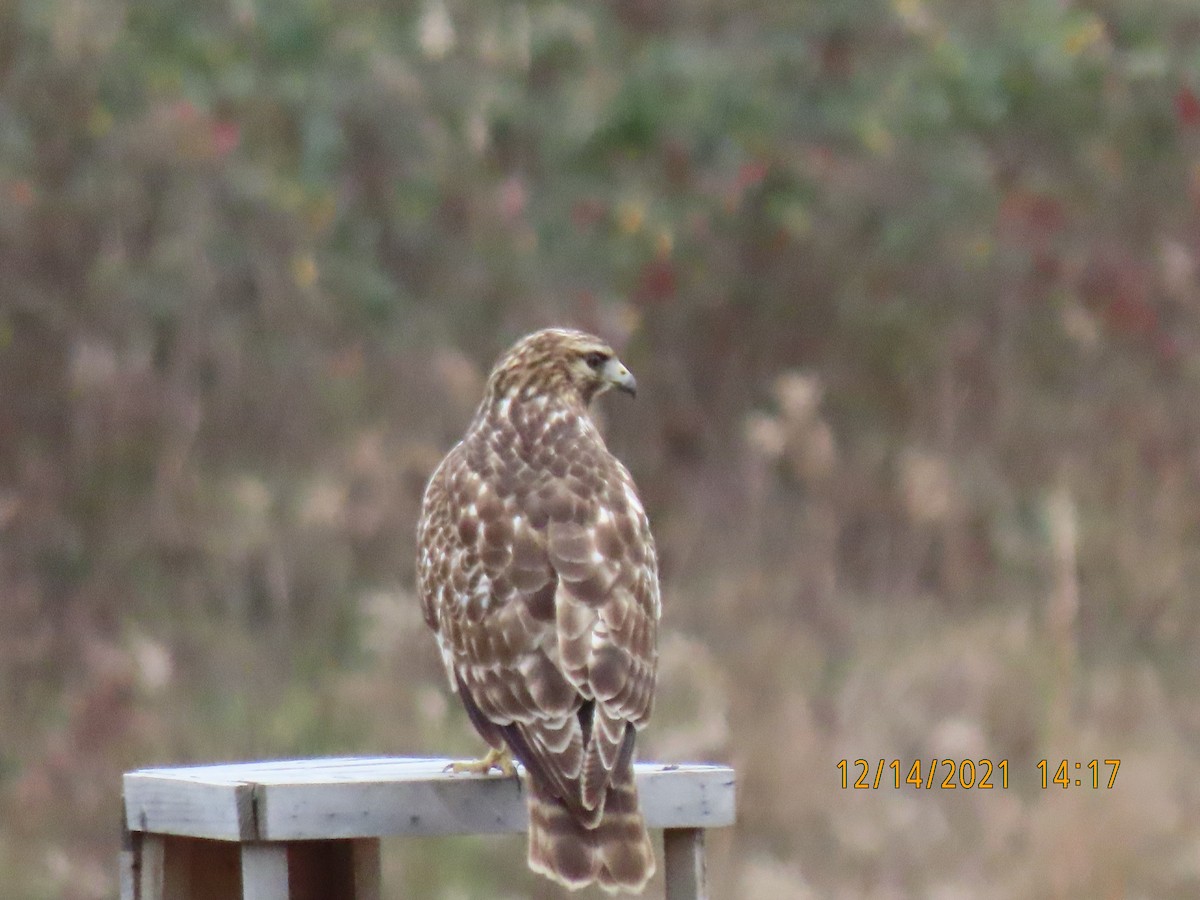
x: 543, y: 590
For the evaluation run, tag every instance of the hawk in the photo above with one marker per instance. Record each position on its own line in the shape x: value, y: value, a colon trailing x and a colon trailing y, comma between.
x: 538, y: 575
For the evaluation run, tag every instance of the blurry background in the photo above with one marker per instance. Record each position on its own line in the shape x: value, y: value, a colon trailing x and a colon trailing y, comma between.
x: 910, y: 289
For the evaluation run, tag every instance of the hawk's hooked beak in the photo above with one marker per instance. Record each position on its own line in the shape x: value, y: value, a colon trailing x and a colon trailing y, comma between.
x: 615, y: 374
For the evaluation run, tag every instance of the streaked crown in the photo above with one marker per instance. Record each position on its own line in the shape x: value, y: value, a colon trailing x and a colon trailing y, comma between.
x: 558, y: 363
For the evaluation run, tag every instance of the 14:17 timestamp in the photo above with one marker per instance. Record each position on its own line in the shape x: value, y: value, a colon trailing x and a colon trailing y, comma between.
x: 1078, y: 774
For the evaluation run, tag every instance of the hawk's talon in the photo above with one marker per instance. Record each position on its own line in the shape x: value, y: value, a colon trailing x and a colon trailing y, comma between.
x: 494, y: 759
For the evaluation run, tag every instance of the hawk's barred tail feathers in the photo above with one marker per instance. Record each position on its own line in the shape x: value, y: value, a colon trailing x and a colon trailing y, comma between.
x: 616, y: 853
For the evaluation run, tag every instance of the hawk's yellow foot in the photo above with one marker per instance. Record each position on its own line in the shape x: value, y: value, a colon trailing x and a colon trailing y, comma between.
x: 494, y: 759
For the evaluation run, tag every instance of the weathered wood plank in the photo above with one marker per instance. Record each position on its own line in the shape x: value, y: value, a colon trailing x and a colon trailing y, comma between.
x: 692, y: 796
x: 373, y: 797
x: 188, y: 805
x: 683, y: 868
x: 460, y: 804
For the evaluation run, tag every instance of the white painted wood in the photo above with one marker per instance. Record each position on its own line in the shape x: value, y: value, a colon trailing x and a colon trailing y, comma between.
x: 163, y: 875
x: 692, y: 796
x: 125, y: 875
x: 189, y: 804
x: 264, y: 871
x: 373, y: 797
x: 683, y: 868
x: 153, y: 867
x: 450, y: 804
x: 127, y: 862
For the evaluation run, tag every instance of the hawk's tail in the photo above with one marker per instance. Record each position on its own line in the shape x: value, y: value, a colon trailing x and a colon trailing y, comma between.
x: 616, y: 853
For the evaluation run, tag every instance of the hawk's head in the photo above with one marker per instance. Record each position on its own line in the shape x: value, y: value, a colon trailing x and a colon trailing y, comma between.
x: 558, y: 362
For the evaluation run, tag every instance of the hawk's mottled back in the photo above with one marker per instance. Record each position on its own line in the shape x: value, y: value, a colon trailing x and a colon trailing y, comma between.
x: 537, y: 572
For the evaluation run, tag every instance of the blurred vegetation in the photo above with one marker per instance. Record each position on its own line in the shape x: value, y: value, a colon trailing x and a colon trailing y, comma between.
x: 911, y: 291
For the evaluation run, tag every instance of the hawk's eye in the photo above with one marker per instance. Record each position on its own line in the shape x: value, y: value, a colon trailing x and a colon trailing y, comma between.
x: 596, y: 359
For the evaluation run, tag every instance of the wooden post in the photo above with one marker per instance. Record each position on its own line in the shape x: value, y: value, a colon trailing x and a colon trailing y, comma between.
x: 130, y: 859
x: 152, y: 871
x: 265, y: 871
x: 683, y: 850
